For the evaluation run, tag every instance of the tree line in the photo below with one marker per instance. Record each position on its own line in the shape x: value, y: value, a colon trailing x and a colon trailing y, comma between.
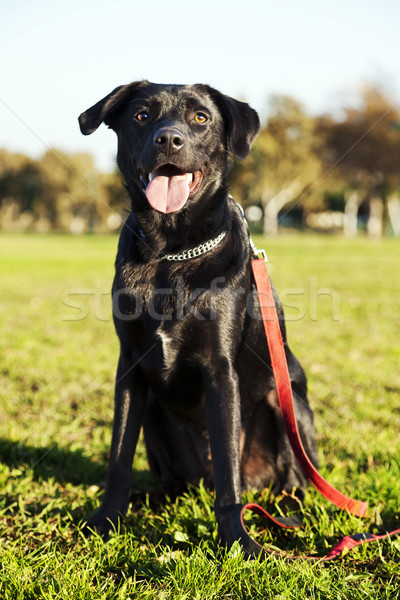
x: 327, y: 171
x: 60, y: 191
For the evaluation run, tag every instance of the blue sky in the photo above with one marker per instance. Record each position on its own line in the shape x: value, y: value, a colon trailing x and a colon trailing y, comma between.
x: 59, y: 58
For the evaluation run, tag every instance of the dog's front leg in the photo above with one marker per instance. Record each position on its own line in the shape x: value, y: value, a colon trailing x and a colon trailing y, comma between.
x: 130, y: 396
x: 223, y: 420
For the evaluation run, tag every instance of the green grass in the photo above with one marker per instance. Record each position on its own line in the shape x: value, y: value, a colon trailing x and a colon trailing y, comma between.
x: 342, y: 300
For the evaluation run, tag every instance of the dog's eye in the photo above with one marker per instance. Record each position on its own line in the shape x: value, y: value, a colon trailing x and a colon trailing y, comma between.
x: 200, y: 117
x: 142, y: 116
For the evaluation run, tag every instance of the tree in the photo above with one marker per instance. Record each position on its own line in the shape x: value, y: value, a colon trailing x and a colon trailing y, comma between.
x: 19, y: 188
x: 60, y: 190
x: 68, y: 188
x: 364, y: 149
x: 284, y: 163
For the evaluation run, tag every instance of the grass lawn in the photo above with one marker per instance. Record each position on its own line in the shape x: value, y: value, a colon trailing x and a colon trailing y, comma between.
x: 58, y: 354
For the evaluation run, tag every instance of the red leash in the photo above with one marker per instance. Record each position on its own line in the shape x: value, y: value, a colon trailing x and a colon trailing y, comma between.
x: 284, y: 391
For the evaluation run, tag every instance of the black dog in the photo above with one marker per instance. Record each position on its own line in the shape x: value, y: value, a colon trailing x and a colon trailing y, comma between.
x: 194, y: 367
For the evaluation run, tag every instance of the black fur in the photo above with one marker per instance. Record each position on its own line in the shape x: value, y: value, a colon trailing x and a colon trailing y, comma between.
x: 194, y: 367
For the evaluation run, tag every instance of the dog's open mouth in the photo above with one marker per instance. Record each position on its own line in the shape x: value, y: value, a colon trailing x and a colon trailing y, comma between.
x: 168, y: 188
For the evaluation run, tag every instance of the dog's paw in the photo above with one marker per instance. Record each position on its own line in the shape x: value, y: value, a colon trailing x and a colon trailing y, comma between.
x: 101, y: 523
x: 231, y: 530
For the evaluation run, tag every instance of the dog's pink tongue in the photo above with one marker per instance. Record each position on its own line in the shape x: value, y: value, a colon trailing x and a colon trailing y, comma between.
x: 168, y: 194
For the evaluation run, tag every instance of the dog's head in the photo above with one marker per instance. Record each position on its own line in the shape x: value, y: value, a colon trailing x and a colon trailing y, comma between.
x: 173, y: 140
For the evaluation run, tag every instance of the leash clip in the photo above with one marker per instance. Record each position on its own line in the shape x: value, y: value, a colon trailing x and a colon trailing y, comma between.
x: 261, y: 251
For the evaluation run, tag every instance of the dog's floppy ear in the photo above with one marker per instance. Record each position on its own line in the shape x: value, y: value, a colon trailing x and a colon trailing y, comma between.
x: 241, y: 122
x: 108, y: 107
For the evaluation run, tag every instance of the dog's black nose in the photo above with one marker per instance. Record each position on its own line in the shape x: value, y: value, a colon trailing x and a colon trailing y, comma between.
x: 169, y: 139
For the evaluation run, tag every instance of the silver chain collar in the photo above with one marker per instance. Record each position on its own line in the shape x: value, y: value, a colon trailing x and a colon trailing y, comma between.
x: 197, y: 251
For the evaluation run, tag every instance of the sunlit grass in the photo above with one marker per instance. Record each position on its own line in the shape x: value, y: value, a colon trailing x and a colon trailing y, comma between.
x: 58, y: 357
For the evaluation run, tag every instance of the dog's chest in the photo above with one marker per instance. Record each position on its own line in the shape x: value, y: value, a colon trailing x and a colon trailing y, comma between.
x: 170, y: 350
x: 161, y: 299
x: 154, y: 309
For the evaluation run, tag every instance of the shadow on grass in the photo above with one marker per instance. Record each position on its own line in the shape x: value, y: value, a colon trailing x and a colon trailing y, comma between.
x: 62, y: 464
